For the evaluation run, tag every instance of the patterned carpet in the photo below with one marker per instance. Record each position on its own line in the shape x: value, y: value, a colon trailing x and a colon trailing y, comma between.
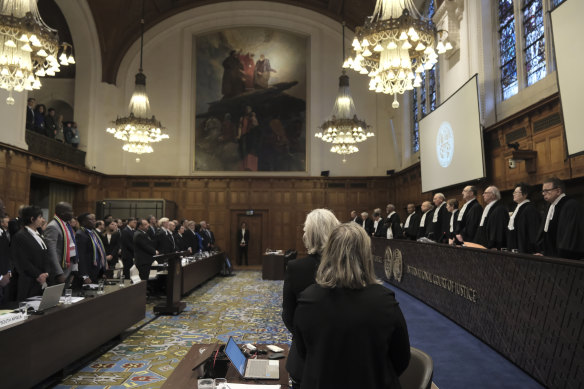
x: 243, y: 306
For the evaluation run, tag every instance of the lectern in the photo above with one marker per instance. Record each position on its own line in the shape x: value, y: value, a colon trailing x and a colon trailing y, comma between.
x: 173, y: 305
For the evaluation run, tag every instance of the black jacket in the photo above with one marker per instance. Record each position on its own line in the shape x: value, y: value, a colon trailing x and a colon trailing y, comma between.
x: 165, y: 243
x: 143, y: 248
x: 30, y: 260
x: 127, y: 242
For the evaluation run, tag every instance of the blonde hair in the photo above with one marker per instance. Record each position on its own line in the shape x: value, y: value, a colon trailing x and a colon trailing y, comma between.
x: 317, y: 228
x: 347, y: 261
x: 162, y: 220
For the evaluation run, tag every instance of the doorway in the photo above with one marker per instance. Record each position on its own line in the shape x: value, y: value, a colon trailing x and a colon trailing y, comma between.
x: 257, y: 238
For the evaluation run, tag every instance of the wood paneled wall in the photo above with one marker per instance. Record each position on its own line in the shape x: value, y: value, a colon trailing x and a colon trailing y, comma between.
x: 284, y: 201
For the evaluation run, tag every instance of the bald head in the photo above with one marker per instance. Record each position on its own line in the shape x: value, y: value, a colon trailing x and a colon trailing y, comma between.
x: 64, y: 211
x: 426, y: 206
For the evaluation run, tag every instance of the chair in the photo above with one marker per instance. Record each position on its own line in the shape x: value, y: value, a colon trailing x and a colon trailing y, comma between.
x: 418, y: 375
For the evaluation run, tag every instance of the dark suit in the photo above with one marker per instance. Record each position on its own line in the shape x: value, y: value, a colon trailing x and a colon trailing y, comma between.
x: 30, y: 260
x: 5, y: 263
x: 90, y: 261
x: 360, y: 333
x: 112, y: 247
x: 29, y: 118
x: 151, y: 231
x: 180, y: 241
x: 411, y: 231
x: 427, y: 227
x: 143, y: 251
x: 441, y: 227
x: 300, y: 274
x: 165, y: 243
x: 242, y: 248
x: 208, y: 239
x: 468, y: 225
x: 191, y: 240
x: 127, y: 241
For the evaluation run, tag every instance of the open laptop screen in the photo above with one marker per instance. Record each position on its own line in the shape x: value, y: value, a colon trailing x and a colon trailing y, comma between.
x: 235, y: 356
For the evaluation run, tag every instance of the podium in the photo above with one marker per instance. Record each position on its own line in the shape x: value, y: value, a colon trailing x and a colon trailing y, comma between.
x: 173, y: 305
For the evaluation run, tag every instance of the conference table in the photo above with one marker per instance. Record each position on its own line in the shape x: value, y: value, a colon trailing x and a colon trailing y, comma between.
x: 183, y: 376
x: 197, y: 272
x: 42, y: 345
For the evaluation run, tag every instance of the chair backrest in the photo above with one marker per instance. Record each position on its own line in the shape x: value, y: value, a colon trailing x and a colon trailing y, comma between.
x: 418, y: 375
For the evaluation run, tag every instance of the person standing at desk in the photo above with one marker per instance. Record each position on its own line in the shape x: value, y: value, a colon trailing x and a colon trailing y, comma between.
x: 30, y: 254
x: 243, y: 239
x: 349, y: 329
x: 143, y: 250
x: 300, y: 274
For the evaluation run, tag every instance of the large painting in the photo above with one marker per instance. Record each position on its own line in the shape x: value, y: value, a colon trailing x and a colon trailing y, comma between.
x: 250, y: 93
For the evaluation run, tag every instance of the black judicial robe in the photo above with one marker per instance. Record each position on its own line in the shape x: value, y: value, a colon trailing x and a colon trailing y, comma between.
x: 381, y: 230
x: 471, y: 219
x: 527, y: 223
x: 493, y: 232
x: 424, y: 230
x: 441, y: 228
x: 393, y: 222
x: 452, y: 235
x: 565, y: 235
x: 411, y: 232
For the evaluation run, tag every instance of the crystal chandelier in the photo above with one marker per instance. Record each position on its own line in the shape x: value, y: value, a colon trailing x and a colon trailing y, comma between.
x: 394, y: 46
x: 137, y: 130
x: 344, y: 130
x: 29, y: 49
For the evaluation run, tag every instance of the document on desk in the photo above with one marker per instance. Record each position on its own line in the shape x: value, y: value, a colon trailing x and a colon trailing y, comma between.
x: 252, y: 386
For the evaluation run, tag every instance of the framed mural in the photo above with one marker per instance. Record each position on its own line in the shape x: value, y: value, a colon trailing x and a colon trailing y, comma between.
x: 250, y: 110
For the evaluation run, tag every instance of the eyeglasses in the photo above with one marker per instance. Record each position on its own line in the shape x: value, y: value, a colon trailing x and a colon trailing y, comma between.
x: 544, y: 191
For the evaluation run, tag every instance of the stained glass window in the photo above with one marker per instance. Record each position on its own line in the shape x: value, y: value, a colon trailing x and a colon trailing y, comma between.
x: 555, y: 3
x: 423, y: 106
x: 432, y: 87
x: 534, y: 41
x: 415, y: 127
x: 508, y: 64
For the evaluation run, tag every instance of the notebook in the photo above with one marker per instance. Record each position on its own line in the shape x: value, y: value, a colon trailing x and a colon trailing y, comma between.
x: 50, y: 298
x: 251, y: 368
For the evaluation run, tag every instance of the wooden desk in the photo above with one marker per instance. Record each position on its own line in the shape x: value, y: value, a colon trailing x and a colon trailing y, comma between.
x: 196, y: 273
x: 184, y: 377
x: 273, y: 266
x: 39, y: 347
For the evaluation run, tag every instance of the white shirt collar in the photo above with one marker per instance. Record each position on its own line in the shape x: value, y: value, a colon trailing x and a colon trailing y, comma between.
x: 511, y: 225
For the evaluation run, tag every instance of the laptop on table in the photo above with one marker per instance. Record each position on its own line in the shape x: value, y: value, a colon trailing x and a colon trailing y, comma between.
x: 51, y: 296
x: 251, y: 368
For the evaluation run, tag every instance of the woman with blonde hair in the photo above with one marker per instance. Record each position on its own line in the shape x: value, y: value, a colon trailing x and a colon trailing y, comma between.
x: 300, y: 274
x: 348, y: 322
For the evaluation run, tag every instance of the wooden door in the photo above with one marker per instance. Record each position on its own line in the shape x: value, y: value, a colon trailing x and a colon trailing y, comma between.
x: 255, y: 226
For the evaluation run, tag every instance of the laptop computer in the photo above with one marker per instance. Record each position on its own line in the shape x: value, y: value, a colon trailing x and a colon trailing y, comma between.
x: 50, y: 298
x: 251, y: 368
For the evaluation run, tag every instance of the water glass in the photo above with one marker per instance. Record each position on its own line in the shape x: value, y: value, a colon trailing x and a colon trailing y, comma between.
x: 23, y: 307
x: 100, y: 286
x: 121, y: 280
x: 68, y: 294
x: 205, y: 383
x: 221, y: 383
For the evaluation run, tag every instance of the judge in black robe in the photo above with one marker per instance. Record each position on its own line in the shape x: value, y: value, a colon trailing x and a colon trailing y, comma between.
x: 492, y: 233
x: 412, y: 223
x: 366, y: 223
x: 524, y: 224
x: 452, y: 208
x: 469, y: 215
x: 393, y: 223
x: 423, y: 230
x: 564, y: 237
x: 440, y: 220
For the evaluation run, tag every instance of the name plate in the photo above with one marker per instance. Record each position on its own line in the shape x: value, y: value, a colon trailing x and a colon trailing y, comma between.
x: 11, y: 318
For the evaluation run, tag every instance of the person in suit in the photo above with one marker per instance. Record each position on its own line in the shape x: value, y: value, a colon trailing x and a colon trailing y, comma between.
x: 440, y: 220
x: 425, y: 220
x: 355, y: 217
x: 39, y: 118
x: 30, y: 113
x: 524, y: 223
x: 30, y: 254
x: 392, y: 223
x: 348, y: 309
x: 469, y: 215
x: 412, y: 223
x: 199, y: 237
x: 111, y: 243
x: 127, y: 243
x: 165, y: 243
x: 492, y: 229
x: 91, y: 253
x: 180, y: 239
x: 61, y: 241
x: 152, y: 227
x: 208, y: 237
x: 452, y: 207
x: 144, y: 249
x: 366, y: 223
x: 5, y: 258
x: 563, y: 227
x: 191, y: 238
x: 243, y: 239
x: 300, y: 273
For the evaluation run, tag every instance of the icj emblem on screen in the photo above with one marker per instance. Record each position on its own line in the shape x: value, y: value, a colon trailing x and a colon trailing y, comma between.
x: 445, y: 144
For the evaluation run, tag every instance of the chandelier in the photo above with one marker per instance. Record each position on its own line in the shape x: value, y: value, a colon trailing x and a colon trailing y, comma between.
x: 394, y: 46
x: 344, y: 130
x: 137, y: 130
x: 29, y: 49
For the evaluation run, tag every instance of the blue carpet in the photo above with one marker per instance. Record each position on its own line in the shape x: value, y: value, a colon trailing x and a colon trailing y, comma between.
x: 461, y: 361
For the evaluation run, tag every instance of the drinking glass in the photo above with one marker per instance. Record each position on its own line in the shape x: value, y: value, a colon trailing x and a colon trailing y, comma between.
x: 100, y: 286
x: 23, y: 307
x: 121, y: 280
x: 68, y: 294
